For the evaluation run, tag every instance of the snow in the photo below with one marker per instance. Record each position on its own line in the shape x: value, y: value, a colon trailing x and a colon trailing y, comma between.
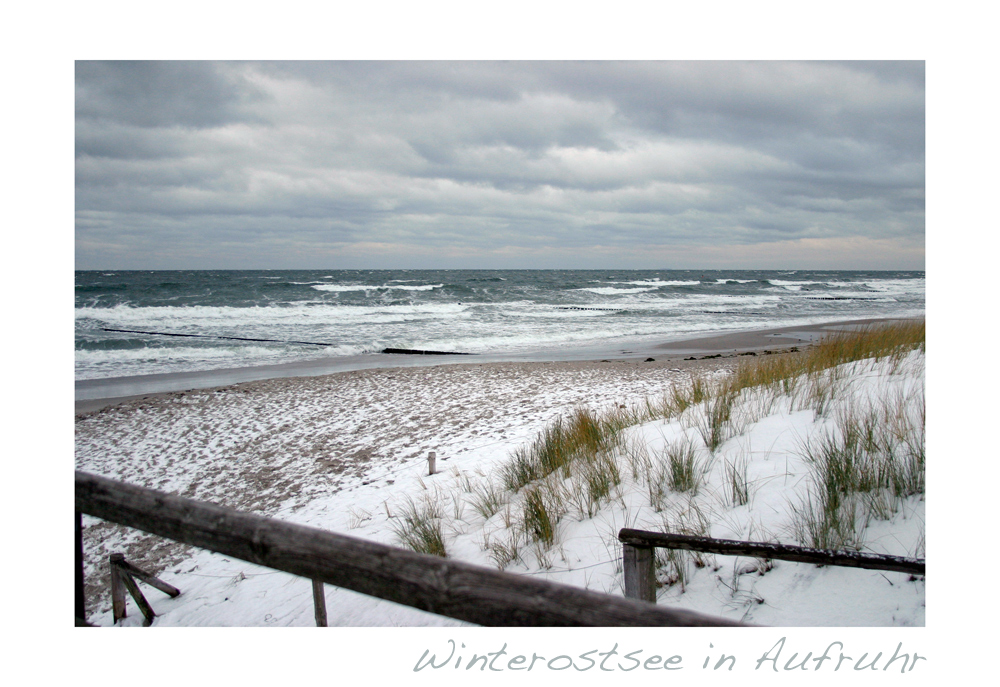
x: 344, y: 453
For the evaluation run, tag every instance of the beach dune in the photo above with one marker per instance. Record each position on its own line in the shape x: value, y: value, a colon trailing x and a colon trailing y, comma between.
x: 301, y: 447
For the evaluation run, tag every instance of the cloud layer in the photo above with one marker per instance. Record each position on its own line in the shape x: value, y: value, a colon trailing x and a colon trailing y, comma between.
x: 500, y: 164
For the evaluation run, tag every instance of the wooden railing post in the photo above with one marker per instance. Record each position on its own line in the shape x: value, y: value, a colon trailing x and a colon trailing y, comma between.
x: 640, y: 572
x: 118, y: 609
x: 123, y: 576
x: 431, y: 463
x: 319, y: 603
x: 140, y: 600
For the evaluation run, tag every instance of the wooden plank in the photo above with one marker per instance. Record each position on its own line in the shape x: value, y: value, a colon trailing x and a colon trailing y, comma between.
x: 140, y: 600
x: 118, y: 606
x: 640, y: 572
x: 430, y: 583
x: 785, y: 552
x: 149, y: 579
x: 319, y: 603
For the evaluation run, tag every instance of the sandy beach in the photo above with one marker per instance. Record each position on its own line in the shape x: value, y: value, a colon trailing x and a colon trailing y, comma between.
x: 295, y: 447
x: 273, y: 446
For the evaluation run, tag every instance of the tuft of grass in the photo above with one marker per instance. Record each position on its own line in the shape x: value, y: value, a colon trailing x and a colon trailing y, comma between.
x: 679, y: 398
x: 738, y: 482
x: 825, y: 522
x: 675, y: 401
x: 464, y: 480
x: 600, y: 475
x: 700, y: 390
x: 880, y: 504
x: 582, y: 434
x: 538, y: 521
x: 819, y: 393
x: 506, y: 551
x: 507, y: 515
x: 457, y: 506
x: 637, y: 456
x: 716, y: 424
x: 418, y: 527
x: 656, y: 485
x: 487, y: 499
x: 683, y: 472
x: 358, y: 517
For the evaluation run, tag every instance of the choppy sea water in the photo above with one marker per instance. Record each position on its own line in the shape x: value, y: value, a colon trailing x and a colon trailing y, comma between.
x: 180, y: 321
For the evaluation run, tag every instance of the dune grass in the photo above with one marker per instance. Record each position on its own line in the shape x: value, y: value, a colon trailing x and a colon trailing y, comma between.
x: 868, y: 462
x: 488, y: 498
x: 419, y: 527
x: 738, y: 483
x: 582, y: 435
x: 863, y: 468
x: 683, y: 470
x: 783, y: 373
x: 538, y: 519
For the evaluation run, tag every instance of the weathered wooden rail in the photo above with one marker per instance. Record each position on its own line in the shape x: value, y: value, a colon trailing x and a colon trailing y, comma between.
x: 640, y: 569
x: 446, y: 587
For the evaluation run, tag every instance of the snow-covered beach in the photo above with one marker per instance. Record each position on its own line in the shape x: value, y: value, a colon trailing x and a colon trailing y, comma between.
x: 347, y: 452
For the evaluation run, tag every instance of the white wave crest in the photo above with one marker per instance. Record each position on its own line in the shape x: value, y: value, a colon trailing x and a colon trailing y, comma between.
x: 656, y: 283
x: 340, y: 288
x: 611, y: 291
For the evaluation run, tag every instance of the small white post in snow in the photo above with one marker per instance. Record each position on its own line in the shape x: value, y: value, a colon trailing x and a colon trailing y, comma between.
x: 431, y: 459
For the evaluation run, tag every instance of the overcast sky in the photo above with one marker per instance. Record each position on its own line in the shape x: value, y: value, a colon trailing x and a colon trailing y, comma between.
x: 195, y: 165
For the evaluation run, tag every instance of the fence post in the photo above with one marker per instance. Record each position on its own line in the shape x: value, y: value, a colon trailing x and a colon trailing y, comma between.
x: 319, y: 603
x: 118, y: 610
x: 80, y: 603
x: 431, y: 460
x: 640, y: 572
x: 137, y: 596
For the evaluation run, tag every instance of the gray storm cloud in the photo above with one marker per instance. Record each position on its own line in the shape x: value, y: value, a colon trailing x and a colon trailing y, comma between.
x: 498, y: 164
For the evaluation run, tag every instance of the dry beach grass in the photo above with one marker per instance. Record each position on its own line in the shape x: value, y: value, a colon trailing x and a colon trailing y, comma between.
x: 864, y: 466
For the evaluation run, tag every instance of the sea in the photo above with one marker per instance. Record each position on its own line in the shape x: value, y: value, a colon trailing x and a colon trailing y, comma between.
x: 150, y: 322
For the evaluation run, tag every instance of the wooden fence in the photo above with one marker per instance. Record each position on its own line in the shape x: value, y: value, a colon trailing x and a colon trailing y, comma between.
x: 640, y: 567
x: 446, y: 587
x: 123, y: 578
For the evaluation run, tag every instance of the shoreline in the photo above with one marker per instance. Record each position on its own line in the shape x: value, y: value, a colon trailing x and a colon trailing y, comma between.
x: 95, y: 394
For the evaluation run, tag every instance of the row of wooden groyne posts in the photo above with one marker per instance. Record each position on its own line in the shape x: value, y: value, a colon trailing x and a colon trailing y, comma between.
x: 450, y: 588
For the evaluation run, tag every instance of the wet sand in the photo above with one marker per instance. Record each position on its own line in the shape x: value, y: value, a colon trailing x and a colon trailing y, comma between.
x: 95, y: 394
x: 765, y: 339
